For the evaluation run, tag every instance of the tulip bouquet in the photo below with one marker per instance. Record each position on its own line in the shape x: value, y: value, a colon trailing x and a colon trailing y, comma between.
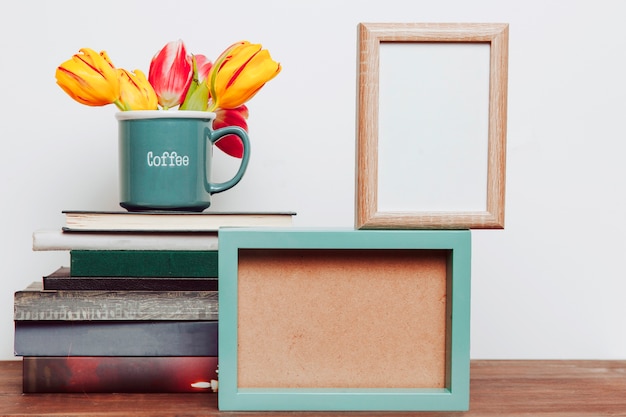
x: 176, y: 79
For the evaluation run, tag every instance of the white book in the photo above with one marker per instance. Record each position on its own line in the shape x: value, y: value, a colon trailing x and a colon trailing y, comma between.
x: 58, y: 240
x: 168, y: 221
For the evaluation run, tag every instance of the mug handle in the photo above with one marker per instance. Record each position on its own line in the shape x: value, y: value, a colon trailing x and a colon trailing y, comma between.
x: 214, y: 136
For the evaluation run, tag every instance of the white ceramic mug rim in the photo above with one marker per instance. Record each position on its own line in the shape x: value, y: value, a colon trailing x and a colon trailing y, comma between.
x: 164, y: 114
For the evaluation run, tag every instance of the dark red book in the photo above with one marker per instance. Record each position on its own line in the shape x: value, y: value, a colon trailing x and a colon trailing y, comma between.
x: 91, y: 374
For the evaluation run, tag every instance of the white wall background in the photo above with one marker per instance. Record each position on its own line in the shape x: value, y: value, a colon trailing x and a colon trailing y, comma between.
x: 551, y: 285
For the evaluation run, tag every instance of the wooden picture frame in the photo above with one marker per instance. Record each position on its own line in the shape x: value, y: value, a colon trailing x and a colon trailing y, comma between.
x: 431, y: 125
x: 344, y: 319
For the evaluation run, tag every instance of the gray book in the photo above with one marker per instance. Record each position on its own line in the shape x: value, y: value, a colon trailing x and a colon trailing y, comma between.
x: 122, y: 338
x: 35, y: 303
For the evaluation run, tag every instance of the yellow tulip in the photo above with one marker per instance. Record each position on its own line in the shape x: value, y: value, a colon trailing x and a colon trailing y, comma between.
x: 89, y: 78
x: 136, y: 93
x: 238, y: 74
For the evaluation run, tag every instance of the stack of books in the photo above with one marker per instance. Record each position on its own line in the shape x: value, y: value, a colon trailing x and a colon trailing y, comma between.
x: 136, y: 308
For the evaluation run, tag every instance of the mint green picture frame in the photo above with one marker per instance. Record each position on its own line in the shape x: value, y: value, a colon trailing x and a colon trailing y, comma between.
x: 453, y: 397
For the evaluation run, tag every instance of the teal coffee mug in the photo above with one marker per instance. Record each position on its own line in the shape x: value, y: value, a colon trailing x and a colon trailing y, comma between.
x: 165, y: 159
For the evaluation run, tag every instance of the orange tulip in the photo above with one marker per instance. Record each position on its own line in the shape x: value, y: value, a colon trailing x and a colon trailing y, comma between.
x: 239, y: 73
x: 89, y: 78
x: 136, y: 93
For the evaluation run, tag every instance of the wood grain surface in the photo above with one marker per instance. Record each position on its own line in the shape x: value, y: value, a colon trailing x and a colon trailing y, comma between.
x: 498, y: 388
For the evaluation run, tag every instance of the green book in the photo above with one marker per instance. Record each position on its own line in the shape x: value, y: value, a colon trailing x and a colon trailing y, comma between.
x: 143, y: 263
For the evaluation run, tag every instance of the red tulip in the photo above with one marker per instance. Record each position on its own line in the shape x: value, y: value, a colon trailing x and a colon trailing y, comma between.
x: 204, y: 66
x: 197, y: 97
x: 231, y: 144
x: 170, y: 74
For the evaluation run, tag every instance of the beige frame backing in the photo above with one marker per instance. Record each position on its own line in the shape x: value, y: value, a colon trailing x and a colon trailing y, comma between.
x: 371, y: 35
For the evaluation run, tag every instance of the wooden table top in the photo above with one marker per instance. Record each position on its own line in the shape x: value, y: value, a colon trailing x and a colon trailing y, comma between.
x: 497, y: 388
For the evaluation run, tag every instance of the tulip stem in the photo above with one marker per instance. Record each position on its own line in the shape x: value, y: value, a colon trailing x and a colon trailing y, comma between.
x: 120, y: 105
